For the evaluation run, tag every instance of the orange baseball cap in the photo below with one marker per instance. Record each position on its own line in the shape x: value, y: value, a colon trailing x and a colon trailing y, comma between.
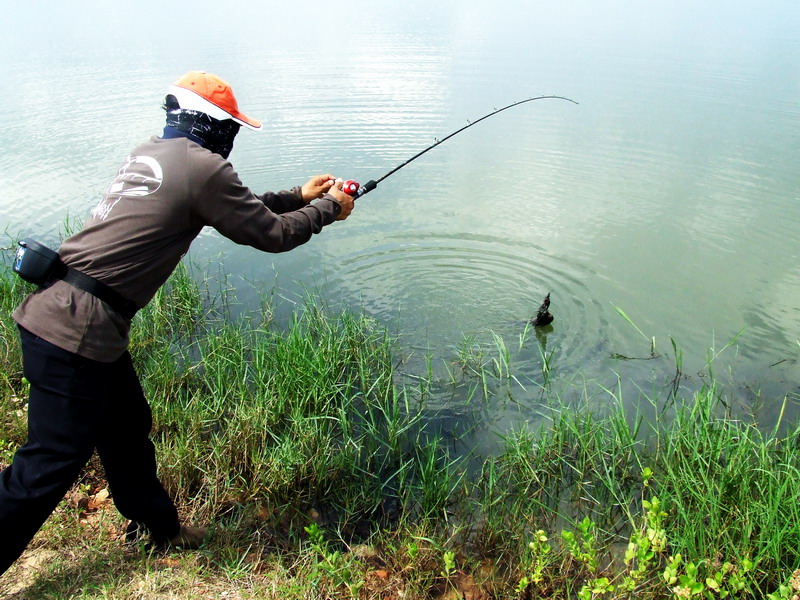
x: 207, y: 93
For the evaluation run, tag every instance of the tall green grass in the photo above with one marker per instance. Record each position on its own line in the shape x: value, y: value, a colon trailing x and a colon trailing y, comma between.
x: 305, y: 430
x: 730, y: 491
x: 14, y: 291
x: 12, y: 387
x: 249, y: 412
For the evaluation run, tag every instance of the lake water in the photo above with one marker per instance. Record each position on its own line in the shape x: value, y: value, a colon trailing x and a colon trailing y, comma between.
x: 670, y: 194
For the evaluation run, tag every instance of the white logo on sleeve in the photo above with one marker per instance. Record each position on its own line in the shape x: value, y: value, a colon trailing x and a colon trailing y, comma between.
x: 139, y: 176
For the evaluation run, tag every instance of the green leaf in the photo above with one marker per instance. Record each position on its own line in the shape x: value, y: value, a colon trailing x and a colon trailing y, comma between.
x: 696, y: 587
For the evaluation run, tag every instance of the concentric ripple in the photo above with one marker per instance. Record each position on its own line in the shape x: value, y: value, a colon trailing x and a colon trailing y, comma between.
x: 443, y: 288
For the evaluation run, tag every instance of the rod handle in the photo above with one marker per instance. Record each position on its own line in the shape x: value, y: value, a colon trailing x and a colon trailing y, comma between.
x: 366, y: 188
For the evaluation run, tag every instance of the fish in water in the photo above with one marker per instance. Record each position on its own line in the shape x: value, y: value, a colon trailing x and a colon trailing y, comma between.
x: 543, y: 316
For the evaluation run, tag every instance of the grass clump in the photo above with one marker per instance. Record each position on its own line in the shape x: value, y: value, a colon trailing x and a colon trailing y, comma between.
x: 697, y: 504
x: 247, y: 412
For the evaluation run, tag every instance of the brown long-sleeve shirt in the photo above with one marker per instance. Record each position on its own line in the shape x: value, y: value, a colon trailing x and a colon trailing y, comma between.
x: 162, y: 197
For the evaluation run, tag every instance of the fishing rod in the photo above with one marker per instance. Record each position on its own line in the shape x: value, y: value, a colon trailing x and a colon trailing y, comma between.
x: 355, y: 189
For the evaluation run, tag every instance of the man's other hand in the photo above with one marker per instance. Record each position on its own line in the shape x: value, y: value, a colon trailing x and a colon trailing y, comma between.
x: 317, y: 187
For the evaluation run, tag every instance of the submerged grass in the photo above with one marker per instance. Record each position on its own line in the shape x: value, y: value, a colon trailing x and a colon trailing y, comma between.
x: 321, y: 477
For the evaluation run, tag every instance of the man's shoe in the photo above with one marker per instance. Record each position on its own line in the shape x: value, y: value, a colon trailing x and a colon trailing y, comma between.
x: 188, y: 538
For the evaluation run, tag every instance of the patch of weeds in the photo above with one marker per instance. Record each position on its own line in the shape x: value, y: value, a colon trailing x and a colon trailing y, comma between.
x: 332, y: 566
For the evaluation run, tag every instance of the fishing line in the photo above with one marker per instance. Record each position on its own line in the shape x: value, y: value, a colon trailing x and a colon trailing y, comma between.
x: 357, y: 190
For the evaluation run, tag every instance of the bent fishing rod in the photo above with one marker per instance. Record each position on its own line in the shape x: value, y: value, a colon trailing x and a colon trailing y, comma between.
x: 355, y: 189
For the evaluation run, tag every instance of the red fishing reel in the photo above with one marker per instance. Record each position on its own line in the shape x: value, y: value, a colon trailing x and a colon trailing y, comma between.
x: 350, y: 187
x: 355, y: 189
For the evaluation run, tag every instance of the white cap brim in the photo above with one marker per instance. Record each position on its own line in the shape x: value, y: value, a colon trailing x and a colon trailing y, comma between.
x: 189, y: 100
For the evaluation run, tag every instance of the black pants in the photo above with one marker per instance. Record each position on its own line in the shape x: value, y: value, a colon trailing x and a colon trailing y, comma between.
x: 77, y: 405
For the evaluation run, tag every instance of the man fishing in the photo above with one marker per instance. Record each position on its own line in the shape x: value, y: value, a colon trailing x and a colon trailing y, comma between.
x: 84, y: 392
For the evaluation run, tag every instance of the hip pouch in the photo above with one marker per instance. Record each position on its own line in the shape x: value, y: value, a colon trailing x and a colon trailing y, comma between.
x: 35, y: 262
x: 38, y: 264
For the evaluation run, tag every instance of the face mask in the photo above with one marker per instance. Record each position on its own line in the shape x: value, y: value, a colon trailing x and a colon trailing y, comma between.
x: 216, y: 135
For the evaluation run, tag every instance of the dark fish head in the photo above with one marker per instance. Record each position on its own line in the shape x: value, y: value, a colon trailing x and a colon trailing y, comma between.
x: 543, y: 316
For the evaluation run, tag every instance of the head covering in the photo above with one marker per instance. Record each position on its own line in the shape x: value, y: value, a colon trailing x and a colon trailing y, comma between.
x: 207, y: 93
x: 210, y: 133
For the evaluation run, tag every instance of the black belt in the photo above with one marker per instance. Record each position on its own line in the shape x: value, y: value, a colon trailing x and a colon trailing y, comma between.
x: 126, y: 308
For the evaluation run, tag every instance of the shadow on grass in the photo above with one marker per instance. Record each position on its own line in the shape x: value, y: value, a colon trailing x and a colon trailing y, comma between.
x: 62, y: 578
